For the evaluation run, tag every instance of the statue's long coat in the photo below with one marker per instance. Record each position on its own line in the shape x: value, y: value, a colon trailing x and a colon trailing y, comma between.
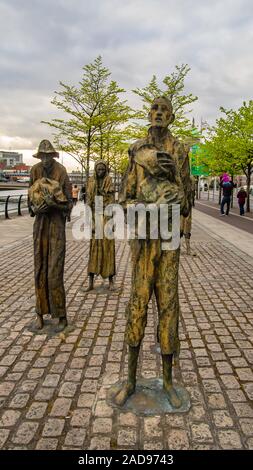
x: 102, y: 251
x: 49, y: 246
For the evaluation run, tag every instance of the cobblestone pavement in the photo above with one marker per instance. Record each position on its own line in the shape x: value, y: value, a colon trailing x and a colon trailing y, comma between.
x: 53, y: 388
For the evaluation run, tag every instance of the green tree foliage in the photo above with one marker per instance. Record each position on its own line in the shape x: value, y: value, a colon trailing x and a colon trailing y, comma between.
x: 173, y: 87
x: 229, y: 144
x: 94, y: 115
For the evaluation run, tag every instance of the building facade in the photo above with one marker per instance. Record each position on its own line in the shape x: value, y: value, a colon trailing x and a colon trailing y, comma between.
x: 10, y: 159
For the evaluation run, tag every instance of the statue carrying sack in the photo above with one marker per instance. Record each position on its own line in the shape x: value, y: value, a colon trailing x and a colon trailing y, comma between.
x: 40, y: 190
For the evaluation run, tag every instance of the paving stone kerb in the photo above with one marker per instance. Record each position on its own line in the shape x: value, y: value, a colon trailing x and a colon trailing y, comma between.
x: 53, y: 388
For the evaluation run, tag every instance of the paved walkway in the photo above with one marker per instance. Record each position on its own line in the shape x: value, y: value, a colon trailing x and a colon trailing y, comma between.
x: 227, y: 233
x: 53, y: 387
x: 234, y: 219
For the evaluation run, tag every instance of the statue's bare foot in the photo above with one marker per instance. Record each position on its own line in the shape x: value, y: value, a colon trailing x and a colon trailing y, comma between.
x: 63, y: 323
x: 111, y: 283
x: 87, y: 289
x: 176, y: 361
x: 173, y: 397
x: 39, y: 322
x: 125, y: 392
x: 90, y: 287
x: 191, y: 253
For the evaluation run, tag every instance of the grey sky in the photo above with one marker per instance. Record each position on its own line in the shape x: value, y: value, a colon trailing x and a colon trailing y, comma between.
x: 43, y: 42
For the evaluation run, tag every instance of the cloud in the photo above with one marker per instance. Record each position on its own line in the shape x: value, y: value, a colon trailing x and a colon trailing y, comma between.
x: 44, y: 42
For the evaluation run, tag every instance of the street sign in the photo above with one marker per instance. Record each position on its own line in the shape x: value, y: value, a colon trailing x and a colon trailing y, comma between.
x: 196, y: 168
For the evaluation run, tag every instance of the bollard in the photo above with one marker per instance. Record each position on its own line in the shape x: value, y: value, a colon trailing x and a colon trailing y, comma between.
x: 19, y: 205
x: 6, y: 207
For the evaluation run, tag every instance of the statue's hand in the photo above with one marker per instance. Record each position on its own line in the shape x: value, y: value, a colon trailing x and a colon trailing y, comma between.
x: 32, y: 213
x: 41, y: 209
x: 166, y: 164
x: 170, y: 197
x: 48, y: 198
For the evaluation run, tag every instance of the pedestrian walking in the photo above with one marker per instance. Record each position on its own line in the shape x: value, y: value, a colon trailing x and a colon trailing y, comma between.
x: 227, y: 185
x: 83, y: 194
x: 241, y: 196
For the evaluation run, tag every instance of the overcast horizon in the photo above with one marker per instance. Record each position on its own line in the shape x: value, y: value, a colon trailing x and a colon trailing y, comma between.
x: 45, y: 42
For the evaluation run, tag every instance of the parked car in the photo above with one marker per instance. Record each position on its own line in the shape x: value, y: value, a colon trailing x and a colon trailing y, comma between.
x: 25, y: 179
x: 3, y: 179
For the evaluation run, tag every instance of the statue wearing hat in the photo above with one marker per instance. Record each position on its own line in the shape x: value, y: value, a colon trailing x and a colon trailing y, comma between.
x: 50, y: 200
x: 102, y: 251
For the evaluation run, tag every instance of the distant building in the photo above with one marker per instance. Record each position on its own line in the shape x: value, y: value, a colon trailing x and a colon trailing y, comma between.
x: 10, y: 159
x: 76, y: 177
x: 22, y: 167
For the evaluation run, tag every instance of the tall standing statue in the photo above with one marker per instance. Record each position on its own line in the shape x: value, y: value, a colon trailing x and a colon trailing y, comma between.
x: 158, y: 172
x: 49, y: 199
x: 187, y: 222
x: 102, y: 251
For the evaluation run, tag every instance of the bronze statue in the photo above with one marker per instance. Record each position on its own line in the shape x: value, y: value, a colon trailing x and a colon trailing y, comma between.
x: 158, y: 172
x: 50, y: 200
x: 102, y: 251
x: 187, y: 222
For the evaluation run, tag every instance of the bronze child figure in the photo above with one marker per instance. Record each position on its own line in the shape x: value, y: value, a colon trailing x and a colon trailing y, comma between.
x: 50, y: 201
x: 158, y: 173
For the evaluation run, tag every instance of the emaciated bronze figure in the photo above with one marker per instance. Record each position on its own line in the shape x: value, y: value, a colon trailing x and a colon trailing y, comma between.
x: 50, y: 201
x: 102, y: 251
x: 158, y: 172
x: 187, y: 223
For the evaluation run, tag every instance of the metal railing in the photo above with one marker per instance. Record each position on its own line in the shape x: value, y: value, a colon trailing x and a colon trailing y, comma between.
x: 12, y: 204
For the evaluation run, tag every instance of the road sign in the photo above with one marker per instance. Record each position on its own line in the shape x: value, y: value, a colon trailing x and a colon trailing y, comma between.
x: 196, y: 168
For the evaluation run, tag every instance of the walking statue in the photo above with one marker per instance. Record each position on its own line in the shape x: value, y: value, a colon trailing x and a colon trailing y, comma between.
x: 187, y: 223
x: 102, y: 251
x: 158, y: 173
x: 49, y: 199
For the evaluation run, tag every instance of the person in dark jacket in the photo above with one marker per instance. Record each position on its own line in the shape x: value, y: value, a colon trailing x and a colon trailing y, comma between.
x: 227, y: 187
x: 82, y: 194
x: 241, y: 196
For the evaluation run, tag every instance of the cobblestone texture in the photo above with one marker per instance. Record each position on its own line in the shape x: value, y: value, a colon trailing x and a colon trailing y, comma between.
x: 53, y: 387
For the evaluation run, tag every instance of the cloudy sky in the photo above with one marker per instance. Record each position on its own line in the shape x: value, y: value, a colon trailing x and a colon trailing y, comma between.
x: 42, y: 42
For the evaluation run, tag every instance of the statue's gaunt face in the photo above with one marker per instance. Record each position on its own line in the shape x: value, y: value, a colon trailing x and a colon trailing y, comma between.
x: 100, y: 170
x: 160, y: 114
x: 47, y: 159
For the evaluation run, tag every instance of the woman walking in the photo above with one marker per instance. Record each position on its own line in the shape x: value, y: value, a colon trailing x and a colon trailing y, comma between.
x: 241, y: 195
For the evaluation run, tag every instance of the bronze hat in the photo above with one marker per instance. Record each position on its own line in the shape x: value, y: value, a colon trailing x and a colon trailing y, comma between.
x: 45, y: 146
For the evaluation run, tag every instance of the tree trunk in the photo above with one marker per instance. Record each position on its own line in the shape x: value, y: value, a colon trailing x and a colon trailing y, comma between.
x: 248, y: 179
x: 88, y: 157
x: 232, y: 198
x: 101, y: 144
x: 197, y: 192
x: 108, y: 153
x: 82, y: 173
